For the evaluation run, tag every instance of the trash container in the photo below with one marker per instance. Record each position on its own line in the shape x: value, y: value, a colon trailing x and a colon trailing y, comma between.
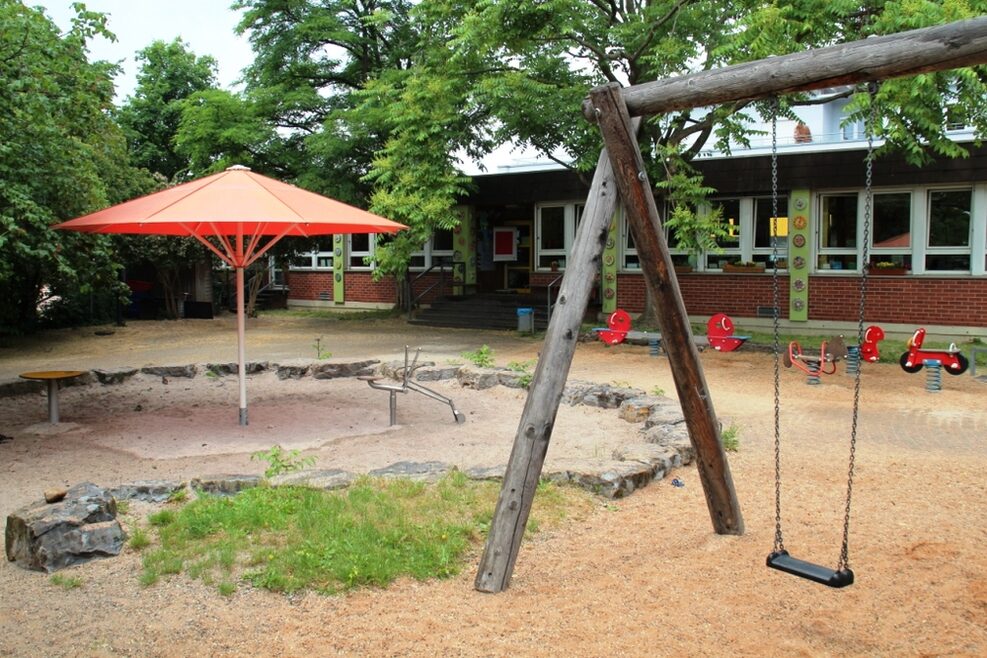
x: 526, y: 320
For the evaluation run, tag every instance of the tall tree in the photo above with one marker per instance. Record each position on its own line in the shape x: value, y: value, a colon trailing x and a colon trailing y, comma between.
x: 310, y: 60
x: 62, y: 156
x: 169, y: 74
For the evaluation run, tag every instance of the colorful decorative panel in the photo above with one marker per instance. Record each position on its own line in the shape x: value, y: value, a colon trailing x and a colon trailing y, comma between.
x: 338, y: 287
x: 609, y: 271
x: 798, y: 255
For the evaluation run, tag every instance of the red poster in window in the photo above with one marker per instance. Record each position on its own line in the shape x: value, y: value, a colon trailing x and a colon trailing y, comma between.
x: 505, y: 243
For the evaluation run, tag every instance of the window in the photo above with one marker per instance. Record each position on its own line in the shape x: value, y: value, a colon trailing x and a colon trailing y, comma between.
x: 891, y: 237
x: 948, y: 230
x: 361, y: 246
x: 555, y: 230
x: 729, y: 246
x: 629, y: 258
x: 440, y: 247
x: 838, y: 232
x: 320, y: 258
x: 770, y: 233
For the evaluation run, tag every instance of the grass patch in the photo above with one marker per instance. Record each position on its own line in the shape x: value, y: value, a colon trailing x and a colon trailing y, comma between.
x: 139, y: 539
x: 66, y: 582
x: 292, y: 538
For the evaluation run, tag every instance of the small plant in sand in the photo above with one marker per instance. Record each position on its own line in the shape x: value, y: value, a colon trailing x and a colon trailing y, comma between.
x: 658, y: 391
x: 281, y: 461
x: 320, y: 353
x: 481, y: 358
x: 523, y: 367
x: 731, y: 438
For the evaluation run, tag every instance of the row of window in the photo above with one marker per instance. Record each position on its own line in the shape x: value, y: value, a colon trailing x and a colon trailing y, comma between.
x: 359, y: 247
x: 360, y: 250
x: 922, y: 230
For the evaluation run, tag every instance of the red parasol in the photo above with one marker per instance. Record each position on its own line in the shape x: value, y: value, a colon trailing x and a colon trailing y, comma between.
x: 238, y: 209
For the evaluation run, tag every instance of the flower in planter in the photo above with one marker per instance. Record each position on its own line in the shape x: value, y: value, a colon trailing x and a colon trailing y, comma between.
x: 886, y: 265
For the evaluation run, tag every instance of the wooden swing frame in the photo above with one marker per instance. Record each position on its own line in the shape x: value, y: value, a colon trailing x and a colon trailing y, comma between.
x: 621, y: 169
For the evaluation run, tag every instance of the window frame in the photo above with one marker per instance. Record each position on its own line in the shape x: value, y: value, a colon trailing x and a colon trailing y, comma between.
x: 572, y: 213
x: 352, y: 253
x: 948, y: 250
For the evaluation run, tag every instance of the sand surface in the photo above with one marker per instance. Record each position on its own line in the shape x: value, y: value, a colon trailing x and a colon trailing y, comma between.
x: 643, y: 576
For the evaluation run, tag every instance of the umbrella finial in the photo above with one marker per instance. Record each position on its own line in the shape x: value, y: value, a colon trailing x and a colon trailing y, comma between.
x: 238, y: 168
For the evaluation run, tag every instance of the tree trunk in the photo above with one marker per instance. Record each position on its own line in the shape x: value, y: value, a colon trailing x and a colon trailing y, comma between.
x: 168, y: 278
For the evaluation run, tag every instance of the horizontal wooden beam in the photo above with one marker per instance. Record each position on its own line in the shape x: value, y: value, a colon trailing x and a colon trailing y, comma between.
x: 950, y: 46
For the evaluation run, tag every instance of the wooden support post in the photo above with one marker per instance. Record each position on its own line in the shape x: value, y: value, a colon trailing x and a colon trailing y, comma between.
x: 659, y: 275
x: 535, y: 428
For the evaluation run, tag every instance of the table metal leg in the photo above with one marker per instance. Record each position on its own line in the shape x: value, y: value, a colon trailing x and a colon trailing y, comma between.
x: 53, y: 401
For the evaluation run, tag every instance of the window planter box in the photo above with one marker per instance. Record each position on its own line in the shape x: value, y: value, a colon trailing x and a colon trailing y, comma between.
x: 886, y: 271
x: 756, y: 268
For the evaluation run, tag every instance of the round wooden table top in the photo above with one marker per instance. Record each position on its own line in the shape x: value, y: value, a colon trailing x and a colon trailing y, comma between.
x: 52, y: 374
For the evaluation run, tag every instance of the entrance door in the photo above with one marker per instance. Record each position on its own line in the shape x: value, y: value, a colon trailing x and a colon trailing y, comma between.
x: 517, y: 273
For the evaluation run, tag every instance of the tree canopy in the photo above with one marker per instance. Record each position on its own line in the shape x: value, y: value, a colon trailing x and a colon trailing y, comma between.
x: 169, y: 74
x: 62, y: 156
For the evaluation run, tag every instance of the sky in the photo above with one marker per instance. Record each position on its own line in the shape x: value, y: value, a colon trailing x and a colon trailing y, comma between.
x: 207, y: 26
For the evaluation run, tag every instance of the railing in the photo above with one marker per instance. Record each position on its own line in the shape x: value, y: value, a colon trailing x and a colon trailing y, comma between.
x: 441, y: 265
x: 551, y: 284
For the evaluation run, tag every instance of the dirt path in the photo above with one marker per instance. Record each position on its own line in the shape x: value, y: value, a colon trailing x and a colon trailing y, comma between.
x: 642, y: 577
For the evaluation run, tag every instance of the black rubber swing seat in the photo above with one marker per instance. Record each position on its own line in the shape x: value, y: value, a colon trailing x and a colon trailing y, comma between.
x: 782, y: 561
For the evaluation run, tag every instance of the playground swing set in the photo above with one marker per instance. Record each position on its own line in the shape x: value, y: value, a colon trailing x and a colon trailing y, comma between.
x: 618, y: 111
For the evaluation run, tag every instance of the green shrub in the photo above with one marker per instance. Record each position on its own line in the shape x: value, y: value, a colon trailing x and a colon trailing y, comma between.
x: 481, y: 358
x: 280, y: 461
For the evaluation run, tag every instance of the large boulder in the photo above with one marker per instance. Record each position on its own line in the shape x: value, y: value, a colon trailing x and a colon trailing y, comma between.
x: 79, y: 528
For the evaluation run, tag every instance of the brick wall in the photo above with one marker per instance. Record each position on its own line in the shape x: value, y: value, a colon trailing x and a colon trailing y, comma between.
x: 737, y: 295
x: 360, y: 287
x: 958, y: 301
x: 948, y: 301
x: 308, y: 285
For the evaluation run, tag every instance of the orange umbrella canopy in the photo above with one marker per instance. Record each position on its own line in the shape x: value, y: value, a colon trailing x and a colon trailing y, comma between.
x: 237, y: 208
x: 236, y: 203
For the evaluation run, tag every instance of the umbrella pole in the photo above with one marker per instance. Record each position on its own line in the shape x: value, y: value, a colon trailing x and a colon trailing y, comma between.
x: 241, y: 346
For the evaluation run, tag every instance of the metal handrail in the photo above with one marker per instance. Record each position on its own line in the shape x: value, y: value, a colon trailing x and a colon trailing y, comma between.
x: 441, y: 265
x: 554, y: 281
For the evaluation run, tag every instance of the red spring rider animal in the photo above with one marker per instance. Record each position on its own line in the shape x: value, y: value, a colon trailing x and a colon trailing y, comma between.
x: 913, y: 360
x: 868, y: 350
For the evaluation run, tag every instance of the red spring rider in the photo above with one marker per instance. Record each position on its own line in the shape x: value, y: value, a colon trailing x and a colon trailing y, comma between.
x: 913, y: 360
x: 868, y: 349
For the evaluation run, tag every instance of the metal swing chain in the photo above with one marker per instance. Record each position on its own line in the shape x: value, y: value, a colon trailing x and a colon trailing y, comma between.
x: 844, y: 562
x: 779, y: 543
